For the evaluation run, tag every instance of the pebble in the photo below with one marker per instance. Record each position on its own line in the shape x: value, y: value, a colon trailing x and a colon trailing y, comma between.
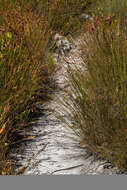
x: 63, y: 46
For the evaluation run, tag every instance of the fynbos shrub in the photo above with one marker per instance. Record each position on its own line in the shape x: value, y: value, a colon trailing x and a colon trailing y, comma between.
x: 97, y: 102
x: 24, y: 42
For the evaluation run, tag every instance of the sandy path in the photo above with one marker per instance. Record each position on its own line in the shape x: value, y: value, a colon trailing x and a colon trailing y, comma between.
x: 62, y: 153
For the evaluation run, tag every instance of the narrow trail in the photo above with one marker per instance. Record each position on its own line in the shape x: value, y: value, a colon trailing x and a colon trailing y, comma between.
x: 57, y: 148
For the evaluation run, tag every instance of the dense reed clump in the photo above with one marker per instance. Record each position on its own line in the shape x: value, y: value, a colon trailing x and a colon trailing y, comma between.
x: 25, y: 67
x: 97, y: 102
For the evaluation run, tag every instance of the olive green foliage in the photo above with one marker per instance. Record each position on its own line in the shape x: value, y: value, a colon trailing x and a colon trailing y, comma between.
x: 97, y: 102
x: 24, y: 70
x: 65, y: 14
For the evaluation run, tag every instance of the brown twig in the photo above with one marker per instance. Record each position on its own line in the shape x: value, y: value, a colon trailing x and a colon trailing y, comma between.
x: 23, y: 168
x: 67, y: 168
